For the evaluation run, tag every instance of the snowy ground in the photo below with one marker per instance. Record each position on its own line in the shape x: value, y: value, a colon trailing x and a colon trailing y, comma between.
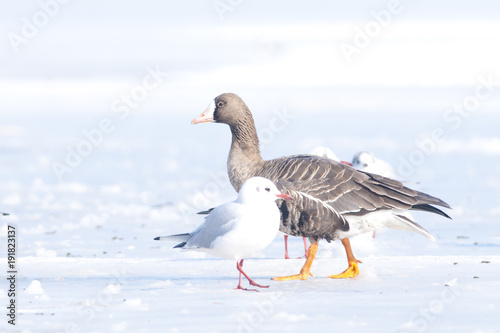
x: 90, y: 180
x: 87, y: 260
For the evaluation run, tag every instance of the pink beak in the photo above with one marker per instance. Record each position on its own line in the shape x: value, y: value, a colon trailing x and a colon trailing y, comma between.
x: 206, y: 116
x: 202, y: 118
x: 284, y: 196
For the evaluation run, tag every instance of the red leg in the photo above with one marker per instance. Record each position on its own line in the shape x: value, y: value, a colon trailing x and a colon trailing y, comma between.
x: 239, y: 266
x: 286, y: 247
x: 239, y: 284
x: 305, y: 248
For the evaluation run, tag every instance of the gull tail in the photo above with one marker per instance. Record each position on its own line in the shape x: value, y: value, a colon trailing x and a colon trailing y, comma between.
x: 205, y: 212
x: 183, y: 238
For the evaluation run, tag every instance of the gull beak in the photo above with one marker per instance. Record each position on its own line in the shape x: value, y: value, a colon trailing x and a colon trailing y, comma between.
x: 207, y: 116
x: 284, y: 196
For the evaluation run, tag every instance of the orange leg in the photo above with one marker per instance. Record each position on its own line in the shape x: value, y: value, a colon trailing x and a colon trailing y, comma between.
x: 353, y: 269
x: 306, y: 269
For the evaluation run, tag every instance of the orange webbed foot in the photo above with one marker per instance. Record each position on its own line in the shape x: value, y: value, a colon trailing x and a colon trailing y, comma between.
x: 350, y: 272
x: 300, y: 276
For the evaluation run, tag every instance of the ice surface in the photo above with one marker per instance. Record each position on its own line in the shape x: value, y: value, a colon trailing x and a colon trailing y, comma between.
x: 86, y: 257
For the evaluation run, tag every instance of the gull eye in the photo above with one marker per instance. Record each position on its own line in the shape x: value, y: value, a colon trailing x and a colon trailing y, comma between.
x: 220, y: 104
x: 268, y: 189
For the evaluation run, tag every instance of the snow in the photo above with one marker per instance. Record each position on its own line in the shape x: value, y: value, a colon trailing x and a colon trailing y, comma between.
x: 423, y: 96
x: 35, y: 288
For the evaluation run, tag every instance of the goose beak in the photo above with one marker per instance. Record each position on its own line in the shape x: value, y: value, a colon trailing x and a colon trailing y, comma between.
x: 207, y: 116
x: 284, y: 196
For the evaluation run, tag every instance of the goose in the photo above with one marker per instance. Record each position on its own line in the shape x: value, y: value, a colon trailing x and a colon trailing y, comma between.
x: 323, y: 152
x: 332, y: 200
x: 240, y: 228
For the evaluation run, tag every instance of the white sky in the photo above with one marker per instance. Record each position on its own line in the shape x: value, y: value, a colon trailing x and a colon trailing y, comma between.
x: 88, y: 53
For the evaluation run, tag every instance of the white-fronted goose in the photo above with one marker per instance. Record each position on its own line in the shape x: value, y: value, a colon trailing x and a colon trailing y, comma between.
x: 331, y: 200
x: 321, y: 151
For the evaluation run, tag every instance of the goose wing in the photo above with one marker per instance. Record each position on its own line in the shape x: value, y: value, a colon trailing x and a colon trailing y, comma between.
x: 345, y: 189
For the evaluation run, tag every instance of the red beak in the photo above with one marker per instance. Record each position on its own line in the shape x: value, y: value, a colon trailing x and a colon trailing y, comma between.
x: 284, y: 196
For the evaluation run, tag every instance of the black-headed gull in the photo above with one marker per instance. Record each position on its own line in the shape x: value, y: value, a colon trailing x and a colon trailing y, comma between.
x: 331, y: 200
x: 367, y: 162
x: 325, y: 152
x: 240, y: 228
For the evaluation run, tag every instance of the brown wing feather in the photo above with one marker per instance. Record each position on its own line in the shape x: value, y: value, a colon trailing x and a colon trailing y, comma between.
x: 344, y: 188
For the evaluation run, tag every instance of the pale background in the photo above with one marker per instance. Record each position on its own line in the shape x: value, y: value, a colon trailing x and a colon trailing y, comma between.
x: 86, y: 257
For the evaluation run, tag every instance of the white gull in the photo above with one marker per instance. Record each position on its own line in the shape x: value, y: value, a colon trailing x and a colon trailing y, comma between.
x: 240, y: 228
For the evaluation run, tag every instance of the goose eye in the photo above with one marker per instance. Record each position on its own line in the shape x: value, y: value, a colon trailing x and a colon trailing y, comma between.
x: 220, y: 104
x: 268, y: 189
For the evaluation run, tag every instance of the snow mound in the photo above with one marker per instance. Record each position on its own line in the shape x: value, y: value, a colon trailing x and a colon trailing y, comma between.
x: 35, y: 288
